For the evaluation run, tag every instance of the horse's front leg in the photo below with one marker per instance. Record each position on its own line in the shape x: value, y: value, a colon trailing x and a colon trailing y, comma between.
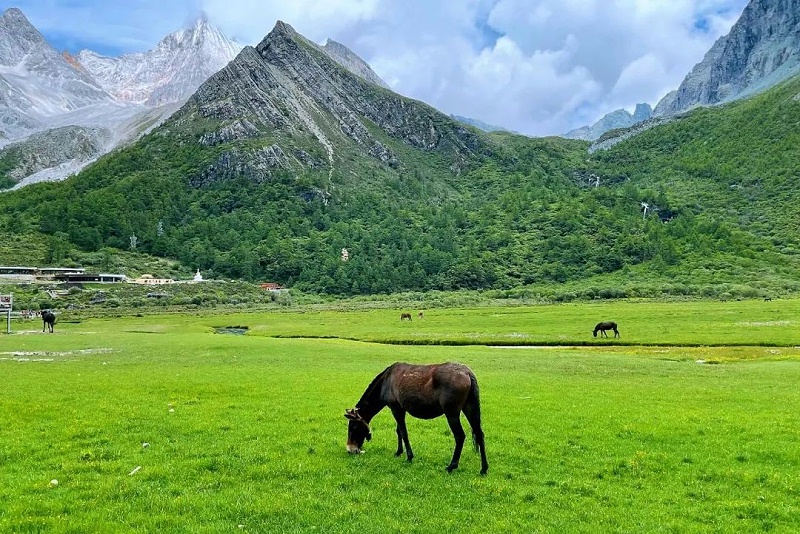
x: 402, y: 434
x: 459, y: 435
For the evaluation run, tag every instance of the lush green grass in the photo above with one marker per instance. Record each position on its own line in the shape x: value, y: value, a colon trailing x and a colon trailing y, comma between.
x: 690, y: 323
x: 584, y: 439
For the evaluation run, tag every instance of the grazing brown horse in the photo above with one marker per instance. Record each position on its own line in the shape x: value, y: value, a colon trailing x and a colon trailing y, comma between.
x: 404, y: 316
x: 48, y: 320
x: 425, y: 392
x: 606, y: 325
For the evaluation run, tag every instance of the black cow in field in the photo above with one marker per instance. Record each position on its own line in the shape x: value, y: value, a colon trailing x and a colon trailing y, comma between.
x: 48, y: 320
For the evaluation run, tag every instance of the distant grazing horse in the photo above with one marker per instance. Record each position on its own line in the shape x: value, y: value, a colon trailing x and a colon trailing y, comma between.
x: 404, y: 316
x: 420, y: 315
x: 426, y: 392
x: 606, y: 325
x: 48, y: 320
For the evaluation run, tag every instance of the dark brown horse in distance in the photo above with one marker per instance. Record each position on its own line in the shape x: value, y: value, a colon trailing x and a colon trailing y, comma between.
x: 404, y: 316
x: 48, y: 320
x: 425, y: 392
x: 606, y: 325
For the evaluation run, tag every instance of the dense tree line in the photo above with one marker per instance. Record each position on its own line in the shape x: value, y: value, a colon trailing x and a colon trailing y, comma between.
x: 516, y: 219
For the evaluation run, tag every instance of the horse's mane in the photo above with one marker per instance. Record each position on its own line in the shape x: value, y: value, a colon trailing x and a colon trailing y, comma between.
x: 370, y: 391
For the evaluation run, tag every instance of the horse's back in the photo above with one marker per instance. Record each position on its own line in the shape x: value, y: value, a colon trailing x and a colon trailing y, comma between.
x: 428, y: 391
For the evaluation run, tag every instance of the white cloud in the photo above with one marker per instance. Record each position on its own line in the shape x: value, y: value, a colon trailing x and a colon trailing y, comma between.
x: 536, y: 66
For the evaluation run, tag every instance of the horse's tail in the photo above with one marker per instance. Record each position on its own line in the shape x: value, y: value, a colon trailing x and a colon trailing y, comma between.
x: 474, y: 399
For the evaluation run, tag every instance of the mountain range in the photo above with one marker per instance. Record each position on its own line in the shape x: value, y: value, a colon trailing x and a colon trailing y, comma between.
x: 69, y: 110
x: 761, y: 50
x: 293, y: 151
x: 91, y: 102
x: 59, y: 112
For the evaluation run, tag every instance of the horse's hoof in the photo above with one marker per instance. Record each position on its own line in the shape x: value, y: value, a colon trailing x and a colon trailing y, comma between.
x: 483, y: 472
x: 450, y: 468
x: 398, y: 454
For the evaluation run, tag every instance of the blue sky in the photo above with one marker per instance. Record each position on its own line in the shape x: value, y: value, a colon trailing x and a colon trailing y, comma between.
x: 539, y: 67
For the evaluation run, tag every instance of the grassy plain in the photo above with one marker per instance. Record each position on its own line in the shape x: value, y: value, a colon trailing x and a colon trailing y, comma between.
x: 676, y: 432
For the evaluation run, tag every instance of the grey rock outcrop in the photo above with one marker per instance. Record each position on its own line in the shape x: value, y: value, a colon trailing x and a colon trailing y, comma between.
x: 69, y: 146
x: 613, y: 137
x: 483, y: 126
x: 105, y: 102
x: 287, y: 87
x: 168, y: 73
x: 761, y: 50
x: 616, y: 119
x: 349, y: 60
x: 36, y: 82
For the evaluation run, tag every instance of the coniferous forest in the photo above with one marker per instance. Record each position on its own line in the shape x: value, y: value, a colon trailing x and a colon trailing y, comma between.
x: 699, y: 206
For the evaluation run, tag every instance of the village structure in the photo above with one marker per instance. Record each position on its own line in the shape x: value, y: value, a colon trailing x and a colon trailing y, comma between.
x: 78, y: 275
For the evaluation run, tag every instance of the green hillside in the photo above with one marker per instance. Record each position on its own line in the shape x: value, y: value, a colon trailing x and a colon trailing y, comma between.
x: 518, y: 214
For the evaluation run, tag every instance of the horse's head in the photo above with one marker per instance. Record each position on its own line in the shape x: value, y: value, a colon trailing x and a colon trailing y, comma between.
x: 357, y: 431
x: 594, y: 333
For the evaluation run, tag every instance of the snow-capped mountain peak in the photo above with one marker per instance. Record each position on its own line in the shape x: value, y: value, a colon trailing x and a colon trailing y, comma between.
x: 35, y: 80
x: 68, y: 110
x: 168, y: 73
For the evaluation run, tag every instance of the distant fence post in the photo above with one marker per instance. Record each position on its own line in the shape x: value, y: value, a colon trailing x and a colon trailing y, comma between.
x: 6, y: 305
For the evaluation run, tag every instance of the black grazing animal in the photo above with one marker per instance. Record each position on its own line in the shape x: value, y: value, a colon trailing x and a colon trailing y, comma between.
x: 425, y: 392
x: 404, y: 316
x: 606, y: 325
x: 48, y: 320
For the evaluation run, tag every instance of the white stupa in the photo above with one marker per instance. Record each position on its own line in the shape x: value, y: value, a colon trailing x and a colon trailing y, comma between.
x: 197, y: 276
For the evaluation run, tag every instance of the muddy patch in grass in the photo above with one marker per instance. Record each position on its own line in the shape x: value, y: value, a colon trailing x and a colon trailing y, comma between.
x: 235, y: 330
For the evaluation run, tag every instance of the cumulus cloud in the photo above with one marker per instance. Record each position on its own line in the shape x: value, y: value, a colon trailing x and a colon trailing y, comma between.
x: 539, y: 67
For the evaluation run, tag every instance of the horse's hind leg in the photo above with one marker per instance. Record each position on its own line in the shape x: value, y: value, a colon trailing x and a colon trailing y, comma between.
x: 459, y: 435
x: 474, y: 419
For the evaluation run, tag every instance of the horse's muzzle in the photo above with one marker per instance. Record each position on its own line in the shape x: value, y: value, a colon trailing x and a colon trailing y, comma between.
x: 352, y: 449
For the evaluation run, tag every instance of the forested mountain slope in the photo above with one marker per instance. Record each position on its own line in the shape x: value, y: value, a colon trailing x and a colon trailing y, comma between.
x: 284, y: 158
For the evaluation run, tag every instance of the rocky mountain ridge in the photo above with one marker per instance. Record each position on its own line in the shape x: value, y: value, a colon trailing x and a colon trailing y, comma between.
x: 169, y: 72
x: 36, y: 82
x: 289, y: 90
x: 620, y: 118
x: 136, y: 92
x: 761, y: 50
x: 44, y: 94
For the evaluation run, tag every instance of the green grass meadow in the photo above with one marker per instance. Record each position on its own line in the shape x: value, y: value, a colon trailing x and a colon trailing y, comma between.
x: 689, y: 422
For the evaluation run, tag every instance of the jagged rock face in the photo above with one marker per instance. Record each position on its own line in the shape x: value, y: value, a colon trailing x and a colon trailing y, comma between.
x: 613, y: 137
x: 349, y: 60
x: 170, y: 72
x: 14, y: 123
x: 35, y: 80
x: 483, y: 126
x: 40, y: 81
x: 286, y: 86
x: 107, y: 101
x: 256, y: 165
x: 612, y: 121
x: 69, y: 146
x: 761, y: 50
